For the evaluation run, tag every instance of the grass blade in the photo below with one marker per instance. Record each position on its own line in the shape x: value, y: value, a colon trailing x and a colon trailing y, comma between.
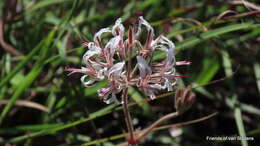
x: 240, y: 125
x: 24, y: 84
x: 25, y: 61
x: 237, y: 111
x: 192, y: 41
x: 257, y: 75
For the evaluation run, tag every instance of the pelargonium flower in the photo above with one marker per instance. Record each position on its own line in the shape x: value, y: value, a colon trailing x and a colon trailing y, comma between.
x: 124, y: 61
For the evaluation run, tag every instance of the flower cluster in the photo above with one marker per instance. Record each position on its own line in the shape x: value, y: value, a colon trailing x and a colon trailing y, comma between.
x: 124, y: 61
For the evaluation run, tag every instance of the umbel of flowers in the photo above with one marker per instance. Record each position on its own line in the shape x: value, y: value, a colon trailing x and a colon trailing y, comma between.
x: 124, y: 61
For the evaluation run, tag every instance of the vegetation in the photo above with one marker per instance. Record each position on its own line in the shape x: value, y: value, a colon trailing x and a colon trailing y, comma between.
x: 41, y: 105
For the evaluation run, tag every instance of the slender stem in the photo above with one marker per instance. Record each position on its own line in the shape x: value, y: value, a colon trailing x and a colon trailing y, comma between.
x: 127, y: 114
x: 156, y: 123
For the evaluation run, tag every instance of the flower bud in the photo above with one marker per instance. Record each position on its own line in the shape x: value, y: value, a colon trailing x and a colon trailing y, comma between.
x: 184, y: 98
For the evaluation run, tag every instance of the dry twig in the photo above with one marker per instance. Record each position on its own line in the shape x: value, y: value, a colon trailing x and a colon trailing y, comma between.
x: 26, y: 103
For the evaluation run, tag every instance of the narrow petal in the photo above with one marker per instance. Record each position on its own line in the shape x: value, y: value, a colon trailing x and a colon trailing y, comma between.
x: 167, y: 46
x: 93, y: 50
x: 181, y: 76
x: 85, y: 44
x: 183, y: 63
x: 157, y: 86
x: 156, y: 41
x: 103, y: 92
x: 166, y: 41
x: 116, y: 70
x: 149, y: 40
x: 113, y: 45
x: 147, y: 25
x: 89, y: 83
x: 76, y: 70
x: 89, y: 54
x: 118, y: 28
x: 97, y: 36
x: 143, y: 67
x: 170, y: 59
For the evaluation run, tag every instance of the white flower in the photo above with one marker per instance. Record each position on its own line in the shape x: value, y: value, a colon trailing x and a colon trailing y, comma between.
x: 111, y: 62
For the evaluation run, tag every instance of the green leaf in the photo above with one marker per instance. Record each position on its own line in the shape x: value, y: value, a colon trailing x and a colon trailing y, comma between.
x: 23, y: 128
x: 209, y: 69
x: 257, y: 75
x: 237, y: 111
x: 24, y: 84
x: 213, y: 33
x: 92, y: 116
x: 192, y: 41
x: 20, y: 89
x: 45, y: 3
x: 240, y: 125
x: 227, y: 63
x: 20, y: 66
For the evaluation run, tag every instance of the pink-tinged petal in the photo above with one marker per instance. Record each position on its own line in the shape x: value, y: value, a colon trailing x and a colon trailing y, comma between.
x: 147, y: 25
x: 116, y: 70
x: 183, y: 63
x: 143, y: 66
x: 168, y: 46
x: 89, y: 54
x: 112, y: 45
x: 150, y: 34
x: 168, y: 42
x: 118, y: 28
x: 93, y: 50
x: 149, y: 40
x: 89, y: 83
x: 172, y: 71
x: 85, y: 44
x: 97, y: 36
x: 76, y: 70
x: 181, y: 76
x: 156, y: 41
x: 108, y: 95
x: 103, y: 92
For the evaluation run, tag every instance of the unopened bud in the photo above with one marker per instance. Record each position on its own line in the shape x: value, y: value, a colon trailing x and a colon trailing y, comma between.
x: 184, y: 98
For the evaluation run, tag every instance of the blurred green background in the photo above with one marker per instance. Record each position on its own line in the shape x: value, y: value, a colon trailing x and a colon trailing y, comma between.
x: 41, y: 105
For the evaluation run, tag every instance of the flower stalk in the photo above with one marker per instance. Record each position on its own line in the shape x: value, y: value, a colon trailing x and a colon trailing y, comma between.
x: 127, y: 114
x: 155, y: 124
